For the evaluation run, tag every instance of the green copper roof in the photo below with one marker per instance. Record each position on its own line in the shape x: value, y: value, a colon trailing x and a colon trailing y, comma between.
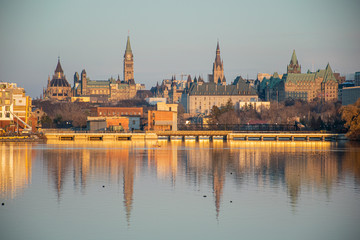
x: 294, y: 58
x: 326, y: 74
x: 128, y: 47
x: 329, y: 75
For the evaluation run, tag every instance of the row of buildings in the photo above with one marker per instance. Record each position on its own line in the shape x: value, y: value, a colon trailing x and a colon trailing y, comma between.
x: 198, y: 96
x: 309, y: 86
x: 126, y: 119
x: 86, y: 90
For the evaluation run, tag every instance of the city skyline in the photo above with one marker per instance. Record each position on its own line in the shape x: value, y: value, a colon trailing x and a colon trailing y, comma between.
x: 170, y: 38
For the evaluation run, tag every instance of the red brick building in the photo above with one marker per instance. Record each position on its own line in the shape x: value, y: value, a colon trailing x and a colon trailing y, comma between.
x: 116, y: 111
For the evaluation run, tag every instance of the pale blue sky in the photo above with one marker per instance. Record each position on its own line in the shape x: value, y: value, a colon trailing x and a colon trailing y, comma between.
x: 174, y: 37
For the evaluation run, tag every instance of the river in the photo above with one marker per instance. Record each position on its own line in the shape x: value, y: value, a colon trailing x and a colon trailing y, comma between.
x: 180, y: 190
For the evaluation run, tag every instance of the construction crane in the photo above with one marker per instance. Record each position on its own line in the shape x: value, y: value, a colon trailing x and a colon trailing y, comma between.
x: 182, y: 75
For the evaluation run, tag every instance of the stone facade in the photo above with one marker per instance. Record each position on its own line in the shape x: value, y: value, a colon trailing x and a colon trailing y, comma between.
x: 201, y: 98
x: 171, y: 89
x: 309, y: 86
x: 111, y: 89
x: 294, y: 66
x: 128, y: 64
x: 58, y: 88
x: 217, y: 75
x: 272, y: 89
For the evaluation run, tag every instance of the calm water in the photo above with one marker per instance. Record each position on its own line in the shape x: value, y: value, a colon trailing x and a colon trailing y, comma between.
x: 135, y: 190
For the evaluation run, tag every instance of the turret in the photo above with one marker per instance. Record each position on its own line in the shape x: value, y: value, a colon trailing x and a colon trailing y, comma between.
x: 294, y: 66
x: 83, y: 82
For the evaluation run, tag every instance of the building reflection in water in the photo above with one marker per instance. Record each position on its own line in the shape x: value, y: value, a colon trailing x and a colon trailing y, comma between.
x: 111, y: 163
x: 295, y: 167
x: 15, y: 168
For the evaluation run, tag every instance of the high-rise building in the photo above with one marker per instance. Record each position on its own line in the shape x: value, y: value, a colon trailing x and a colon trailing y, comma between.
x: 357, y: 79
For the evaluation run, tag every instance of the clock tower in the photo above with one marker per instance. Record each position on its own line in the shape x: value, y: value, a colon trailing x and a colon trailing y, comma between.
x: 128, y: 64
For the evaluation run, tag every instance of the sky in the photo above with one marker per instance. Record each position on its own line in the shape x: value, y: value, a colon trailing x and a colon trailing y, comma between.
x: 174, y: 37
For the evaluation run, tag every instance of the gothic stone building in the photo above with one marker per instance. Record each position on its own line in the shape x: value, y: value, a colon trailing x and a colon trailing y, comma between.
x: 201, y: 98
x: 111, y: 89
x: 58, y: 88
x: 321, y: 84
x: 217, y: 75
x: 312, y: 85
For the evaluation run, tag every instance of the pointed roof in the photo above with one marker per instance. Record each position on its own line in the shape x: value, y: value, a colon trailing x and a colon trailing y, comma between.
x: 217, y: 58
x: 58, y: 67
x: 329, y: 75
x: 128, y: 46
x: 276, y: 75
x: 189, y: 79
x: 294, y: 58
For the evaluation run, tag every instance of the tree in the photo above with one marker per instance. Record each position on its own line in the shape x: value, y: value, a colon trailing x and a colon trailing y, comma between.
x: 351, y: 115
x: 46, y: 121
x: 229, y: 106
x: 181, y: 111
x: 214, y: 115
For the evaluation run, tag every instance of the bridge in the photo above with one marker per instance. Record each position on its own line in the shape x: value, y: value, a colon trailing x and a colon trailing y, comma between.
x: 193, y: 135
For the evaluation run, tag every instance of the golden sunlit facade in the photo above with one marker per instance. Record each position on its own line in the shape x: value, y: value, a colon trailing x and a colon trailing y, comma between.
x: 15, y: 169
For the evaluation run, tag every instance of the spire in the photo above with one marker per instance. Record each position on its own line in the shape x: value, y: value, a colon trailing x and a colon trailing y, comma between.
x: 294, y: 58
x: 58, y: 67
x: 217, y: 58
x: 328, y: 67
x: 128, y: 47
x: 189, y: 79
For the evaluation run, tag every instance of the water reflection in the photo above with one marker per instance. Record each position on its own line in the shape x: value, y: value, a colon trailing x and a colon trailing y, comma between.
x: 15, y: 169
x: 290, y: 168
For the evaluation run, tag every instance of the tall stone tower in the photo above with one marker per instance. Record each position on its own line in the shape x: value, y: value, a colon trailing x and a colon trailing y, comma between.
x: 294, y: 66
x: 218, y: 68
x: 128, y: 64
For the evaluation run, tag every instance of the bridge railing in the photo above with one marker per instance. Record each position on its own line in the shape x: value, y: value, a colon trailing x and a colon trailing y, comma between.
x: 239, y: 127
